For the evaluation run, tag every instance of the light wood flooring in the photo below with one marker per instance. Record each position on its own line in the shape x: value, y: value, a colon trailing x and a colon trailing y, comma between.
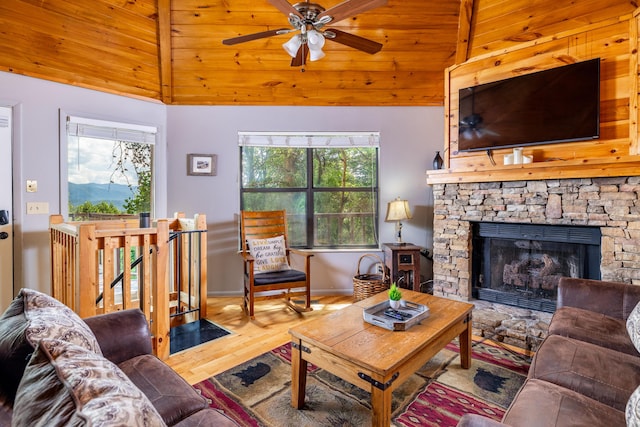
x: 249, y: 338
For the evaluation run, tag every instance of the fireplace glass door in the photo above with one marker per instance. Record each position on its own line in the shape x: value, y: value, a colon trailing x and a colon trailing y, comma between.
x: 521, y: 264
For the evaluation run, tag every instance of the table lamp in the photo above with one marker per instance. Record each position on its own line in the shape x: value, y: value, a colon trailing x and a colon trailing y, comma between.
x: 398, y: 210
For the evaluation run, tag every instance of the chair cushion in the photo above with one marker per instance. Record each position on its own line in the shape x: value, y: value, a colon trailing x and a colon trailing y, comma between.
x: 633, y: 326
x: 279, y: 277
x: 542, y: 403
x: 269, y: 254
x: 67, y: 385
x: 599, y: 329
x: 605, y: 375
x: 632, y: 411
x: 30, y: 317
x: 170, y: 394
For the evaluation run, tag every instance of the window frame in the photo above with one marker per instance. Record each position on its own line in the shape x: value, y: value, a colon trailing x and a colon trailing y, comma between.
x: 310, y: 190
x: 120, y: 125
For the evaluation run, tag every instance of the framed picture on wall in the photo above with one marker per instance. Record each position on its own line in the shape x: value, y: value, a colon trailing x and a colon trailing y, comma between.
x: 202, y: 164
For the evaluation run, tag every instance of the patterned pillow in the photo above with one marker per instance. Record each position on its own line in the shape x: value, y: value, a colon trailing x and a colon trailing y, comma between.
x: 32, y: 316
x: 269, y: 254
x: 632, y: 412
x: 66, y: 384
x: 633, y: 326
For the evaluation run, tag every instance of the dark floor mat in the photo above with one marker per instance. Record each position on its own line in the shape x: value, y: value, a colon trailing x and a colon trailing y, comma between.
x: 195, y: 333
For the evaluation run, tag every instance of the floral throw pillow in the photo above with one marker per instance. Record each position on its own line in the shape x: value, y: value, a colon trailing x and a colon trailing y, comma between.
x: 30, y: 317
x: 633, y: 326
x: 67, y: 385
x: 269, y: 254
x: 632, y: 412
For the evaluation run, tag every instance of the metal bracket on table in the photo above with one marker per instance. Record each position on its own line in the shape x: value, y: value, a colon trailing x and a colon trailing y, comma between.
x: 301, y: 347
x: 378, y: 384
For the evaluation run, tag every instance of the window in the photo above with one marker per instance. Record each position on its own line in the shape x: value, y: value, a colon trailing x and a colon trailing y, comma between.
x: 109, y: 168
x: 328, y: 184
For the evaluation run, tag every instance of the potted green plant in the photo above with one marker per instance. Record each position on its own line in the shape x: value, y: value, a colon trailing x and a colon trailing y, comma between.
x: 395, y: 295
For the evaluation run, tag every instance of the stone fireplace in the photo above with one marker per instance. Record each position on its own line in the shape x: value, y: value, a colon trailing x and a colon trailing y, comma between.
x: 612, y: 205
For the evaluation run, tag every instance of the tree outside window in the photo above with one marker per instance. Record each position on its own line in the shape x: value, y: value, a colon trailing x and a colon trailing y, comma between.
x: 108, y: 176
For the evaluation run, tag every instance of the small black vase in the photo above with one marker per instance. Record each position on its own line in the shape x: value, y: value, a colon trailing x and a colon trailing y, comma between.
x: 437, y: 161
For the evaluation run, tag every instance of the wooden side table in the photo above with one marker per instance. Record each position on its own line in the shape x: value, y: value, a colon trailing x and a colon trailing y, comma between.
x: 403, y: 262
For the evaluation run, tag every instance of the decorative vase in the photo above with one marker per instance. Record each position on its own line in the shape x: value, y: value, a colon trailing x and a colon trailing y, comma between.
x: 395, y: 304
x: 437, y: 161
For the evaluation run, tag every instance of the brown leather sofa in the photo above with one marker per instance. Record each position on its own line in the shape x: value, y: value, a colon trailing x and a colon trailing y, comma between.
x: 585, y: 371
x: 124, y: 339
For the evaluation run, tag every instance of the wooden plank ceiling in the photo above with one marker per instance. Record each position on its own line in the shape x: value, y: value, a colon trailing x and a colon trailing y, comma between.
x: 172, y: 51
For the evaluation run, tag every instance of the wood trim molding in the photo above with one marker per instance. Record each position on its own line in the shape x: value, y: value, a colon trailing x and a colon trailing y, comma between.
x: 464, y: 31
x: 164, y: 50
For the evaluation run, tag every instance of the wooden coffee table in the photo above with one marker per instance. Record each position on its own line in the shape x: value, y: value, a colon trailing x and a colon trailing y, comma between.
x: 373, y: 358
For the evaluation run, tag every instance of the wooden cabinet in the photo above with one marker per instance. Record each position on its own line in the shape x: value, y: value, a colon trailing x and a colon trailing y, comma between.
x: 403, y: 264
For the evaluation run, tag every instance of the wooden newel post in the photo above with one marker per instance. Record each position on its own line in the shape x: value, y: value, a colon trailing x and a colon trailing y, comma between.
x: 160, y: 292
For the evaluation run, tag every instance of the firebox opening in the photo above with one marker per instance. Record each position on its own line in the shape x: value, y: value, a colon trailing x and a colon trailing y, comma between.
x: 521, y: 264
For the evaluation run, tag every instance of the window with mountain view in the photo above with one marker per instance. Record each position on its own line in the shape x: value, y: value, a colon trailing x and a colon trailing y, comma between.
x: 109, y: 168
x: 327, y: 183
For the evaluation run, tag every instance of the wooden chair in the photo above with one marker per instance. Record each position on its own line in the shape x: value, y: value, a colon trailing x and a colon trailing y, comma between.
x: 264, y: 225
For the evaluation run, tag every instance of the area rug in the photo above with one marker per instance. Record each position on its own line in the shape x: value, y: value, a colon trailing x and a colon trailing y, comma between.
x: 191, y: 334
x: 258, y: 392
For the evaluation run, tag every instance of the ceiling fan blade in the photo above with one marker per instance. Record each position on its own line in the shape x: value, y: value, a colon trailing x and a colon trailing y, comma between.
x: 301, y: 56
x: 351, y: 40
x: 255, y: 36
x: 350, y: 8
x: 285, y: 7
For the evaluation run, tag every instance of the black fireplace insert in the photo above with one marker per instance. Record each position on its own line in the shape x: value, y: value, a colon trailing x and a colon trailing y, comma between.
x: 521, y: 264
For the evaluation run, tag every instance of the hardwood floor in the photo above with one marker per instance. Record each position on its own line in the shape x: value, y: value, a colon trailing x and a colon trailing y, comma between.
x: 249, y: 338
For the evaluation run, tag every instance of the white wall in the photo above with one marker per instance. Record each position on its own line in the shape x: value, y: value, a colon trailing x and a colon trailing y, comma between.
x: 36, y: 156
x: 410, y: 137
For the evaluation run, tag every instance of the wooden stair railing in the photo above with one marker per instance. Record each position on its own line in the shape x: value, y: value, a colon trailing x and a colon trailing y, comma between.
x: 87, y: 257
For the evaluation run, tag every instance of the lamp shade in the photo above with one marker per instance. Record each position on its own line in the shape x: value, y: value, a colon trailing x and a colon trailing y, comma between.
x: 293, y: 45
x: 398, y: 210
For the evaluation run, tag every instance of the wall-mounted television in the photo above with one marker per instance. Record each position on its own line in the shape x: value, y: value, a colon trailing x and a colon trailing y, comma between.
x: 556, y: 105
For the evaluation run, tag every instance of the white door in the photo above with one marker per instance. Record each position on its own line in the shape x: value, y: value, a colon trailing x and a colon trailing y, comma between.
x: 6, y: 210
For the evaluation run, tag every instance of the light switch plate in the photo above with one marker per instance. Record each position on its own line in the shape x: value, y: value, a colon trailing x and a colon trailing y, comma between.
x: 35, y: 208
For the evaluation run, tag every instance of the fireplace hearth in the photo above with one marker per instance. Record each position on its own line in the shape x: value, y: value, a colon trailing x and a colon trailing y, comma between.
x: 521, y: 264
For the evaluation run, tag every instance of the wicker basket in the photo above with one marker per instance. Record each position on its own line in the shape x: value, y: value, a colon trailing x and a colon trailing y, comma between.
x: 366, y: 285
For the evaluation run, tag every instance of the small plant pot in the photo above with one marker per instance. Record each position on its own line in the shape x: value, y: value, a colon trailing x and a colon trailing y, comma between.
x: 395, y: 304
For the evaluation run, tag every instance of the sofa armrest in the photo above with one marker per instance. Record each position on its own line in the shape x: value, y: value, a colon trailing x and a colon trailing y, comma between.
x: 473, y: 420
x: 122, y: 335
x: 609, y: 298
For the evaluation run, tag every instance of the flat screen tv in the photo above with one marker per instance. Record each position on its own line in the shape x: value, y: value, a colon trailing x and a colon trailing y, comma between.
x: 556, y: 105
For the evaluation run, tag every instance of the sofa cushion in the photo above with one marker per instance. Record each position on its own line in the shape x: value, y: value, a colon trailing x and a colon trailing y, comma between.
x: 32, y: 316
x: 269, y: 254
x: 542, y: 403
x: 605, y: 375
x: 169, y: 393
x: 599, y: 329
x: 66, y: 384
x: 207, y: 418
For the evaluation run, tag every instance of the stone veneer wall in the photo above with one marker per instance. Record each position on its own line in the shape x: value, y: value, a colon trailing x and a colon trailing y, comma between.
x: 613, y: 204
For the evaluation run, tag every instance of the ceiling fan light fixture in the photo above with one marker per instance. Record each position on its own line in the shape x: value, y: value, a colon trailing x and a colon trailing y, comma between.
x: 292, y: 46
x: 315, y: 40
x: 316, y: 54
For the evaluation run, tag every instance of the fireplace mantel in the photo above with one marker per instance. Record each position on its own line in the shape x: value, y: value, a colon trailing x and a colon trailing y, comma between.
x: 584, y: 168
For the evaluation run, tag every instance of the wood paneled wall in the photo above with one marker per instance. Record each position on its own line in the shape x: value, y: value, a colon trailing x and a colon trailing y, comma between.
x: 109, y: 45
x: 613, y: 39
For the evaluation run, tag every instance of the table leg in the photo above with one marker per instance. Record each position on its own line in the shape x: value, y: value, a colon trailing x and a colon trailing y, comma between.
x: 298, y: 375
x: 465, y: 346
x: 380, y: 407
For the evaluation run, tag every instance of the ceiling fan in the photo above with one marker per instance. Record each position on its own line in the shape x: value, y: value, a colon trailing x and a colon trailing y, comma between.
x: 309, y: 19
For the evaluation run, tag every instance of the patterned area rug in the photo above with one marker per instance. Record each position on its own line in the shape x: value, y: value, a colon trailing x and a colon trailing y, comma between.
x: 258, y: 392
